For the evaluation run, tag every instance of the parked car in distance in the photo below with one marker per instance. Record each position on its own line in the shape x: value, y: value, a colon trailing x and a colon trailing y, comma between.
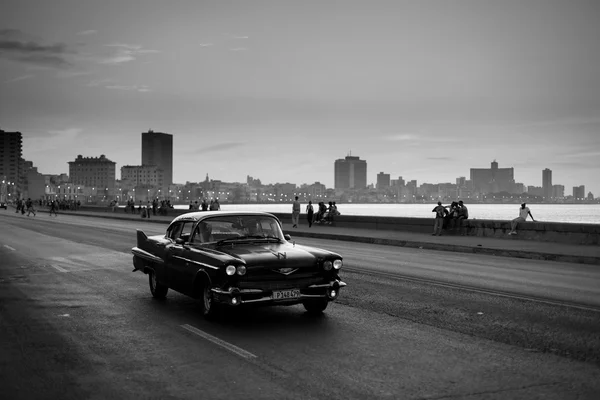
x: 233, y: 259
x: 3, y: 205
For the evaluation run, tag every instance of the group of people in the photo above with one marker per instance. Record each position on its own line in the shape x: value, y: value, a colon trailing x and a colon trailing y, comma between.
x: 323, y: 215
x: 451, y: 217
x: 205, y: 206
x: 25, y: 206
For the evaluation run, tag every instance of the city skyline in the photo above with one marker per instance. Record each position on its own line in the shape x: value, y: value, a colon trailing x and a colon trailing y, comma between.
x: 481, y: 178
x: 280, y: 90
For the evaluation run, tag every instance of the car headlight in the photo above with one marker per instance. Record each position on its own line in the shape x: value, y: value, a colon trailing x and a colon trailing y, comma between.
x: 241, y: 270
x: 327, y: 265
x: 230, y: 270
x: 337, y: 264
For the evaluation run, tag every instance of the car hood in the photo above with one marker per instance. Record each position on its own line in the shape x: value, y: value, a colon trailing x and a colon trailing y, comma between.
x: 275, y: 255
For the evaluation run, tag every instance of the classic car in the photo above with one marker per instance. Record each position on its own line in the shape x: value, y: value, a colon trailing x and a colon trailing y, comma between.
x: 227, y: 258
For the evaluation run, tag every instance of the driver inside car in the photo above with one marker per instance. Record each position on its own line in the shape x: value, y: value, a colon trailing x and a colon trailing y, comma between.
x: 203, y: 233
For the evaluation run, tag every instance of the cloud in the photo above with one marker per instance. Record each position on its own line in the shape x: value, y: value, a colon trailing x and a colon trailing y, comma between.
x: 403, y: 137
x: 136, y: 88
x: 239, y: 49
x: 205, y: 44
x: 19, y: 78
x: 123, y: 53
x: 44, y: 141
x: 17, y: 46
x: 217, y: 147
x: 88, y: 32
x: 440, y: 158
x: 233, y: 36
x: 71, y: 74
x: 111, y: 84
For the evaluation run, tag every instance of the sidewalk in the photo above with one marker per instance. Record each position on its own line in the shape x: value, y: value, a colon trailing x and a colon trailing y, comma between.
x: 467, y: 244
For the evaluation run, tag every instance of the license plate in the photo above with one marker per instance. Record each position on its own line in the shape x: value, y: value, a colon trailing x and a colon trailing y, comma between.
x: 285, y: 294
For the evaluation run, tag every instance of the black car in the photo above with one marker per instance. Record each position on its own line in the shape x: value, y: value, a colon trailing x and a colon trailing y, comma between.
x: 234, y: 259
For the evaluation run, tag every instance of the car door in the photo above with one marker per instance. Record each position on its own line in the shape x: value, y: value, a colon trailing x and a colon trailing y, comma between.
x: 181, y: 271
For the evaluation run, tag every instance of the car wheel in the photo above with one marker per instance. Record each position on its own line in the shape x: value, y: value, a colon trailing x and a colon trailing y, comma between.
x: 207, y: 305
x: 315, y: 306
x: 158, y: 290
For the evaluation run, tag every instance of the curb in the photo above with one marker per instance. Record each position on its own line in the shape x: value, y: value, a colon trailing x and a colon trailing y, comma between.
x: 532, y: 255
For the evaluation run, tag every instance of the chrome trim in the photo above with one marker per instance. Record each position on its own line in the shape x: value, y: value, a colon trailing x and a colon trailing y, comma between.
x: 331, y: 284
x: 196, y: 262
x: 136, y: 251
x: 233, y: 291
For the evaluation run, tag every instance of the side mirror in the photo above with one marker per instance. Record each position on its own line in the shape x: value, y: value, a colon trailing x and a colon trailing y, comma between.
x: 179, y: 241
x: 287, y: 237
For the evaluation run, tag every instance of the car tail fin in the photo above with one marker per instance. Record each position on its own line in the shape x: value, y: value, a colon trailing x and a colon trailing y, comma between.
x: 141, y: 238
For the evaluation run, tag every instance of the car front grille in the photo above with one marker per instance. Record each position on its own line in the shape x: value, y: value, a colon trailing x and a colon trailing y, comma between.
x: 291, y: 283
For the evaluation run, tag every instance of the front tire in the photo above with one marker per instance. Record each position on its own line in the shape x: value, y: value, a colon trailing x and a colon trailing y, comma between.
x: 315, y: 306
x: 158, y: 290
x: 208, y: 307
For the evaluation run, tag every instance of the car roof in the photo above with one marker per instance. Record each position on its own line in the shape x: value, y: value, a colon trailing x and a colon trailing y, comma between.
x: 199, y: 215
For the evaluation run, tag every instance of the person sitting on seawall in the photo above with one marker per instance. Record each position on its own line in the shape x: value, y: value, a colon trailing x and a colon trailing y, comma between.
x: 451, y: 216
x: 463, y: 213
x: 523, y: 213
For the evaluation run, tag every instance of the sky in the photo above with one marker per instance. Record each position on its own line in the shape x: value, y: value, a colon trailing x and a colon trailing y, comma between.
x: 279, y: 89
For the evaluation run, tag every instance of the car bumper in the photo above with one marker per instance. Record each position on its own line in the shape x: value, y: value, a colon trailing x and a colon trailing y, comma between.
x: 234, y: 296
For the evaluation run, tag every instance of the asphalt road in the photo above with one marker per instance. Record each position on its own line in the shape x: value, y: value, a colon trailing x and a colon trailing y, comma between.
x: 75, y: 322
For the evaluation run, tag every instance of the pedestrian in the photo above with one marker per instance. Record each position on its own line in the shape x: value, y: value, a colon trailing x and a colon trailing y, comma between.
x: 295, y: 212
x: 440, y: 212
x: 310, y: 212
x: 463, y: 213
x: 523, y: 213
x: 53, y: 208
x: 30, y: 209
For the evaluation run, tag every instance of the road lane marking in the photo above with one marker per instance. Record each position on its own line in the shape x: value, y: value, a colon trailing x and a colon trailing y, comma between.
x: 59, y: 269
x: 10, y: 248
x: 226, y: 345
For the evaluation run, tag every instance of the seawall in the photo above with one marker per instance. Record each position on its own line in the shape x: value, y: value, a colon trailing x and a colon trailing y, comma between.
x: 568, y: 233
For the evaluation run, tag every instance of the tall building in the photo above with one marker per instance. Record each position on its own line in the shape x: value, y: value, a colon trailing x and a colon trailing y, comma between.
x: 547, y: 183
x: 383, y: 180
x: 493, y: 180
x: 579, y: 192
x: 350, y: 173
x: 11, y: 152
x: 157, y: 149
x: 98, y: 172
x: 136, y: 175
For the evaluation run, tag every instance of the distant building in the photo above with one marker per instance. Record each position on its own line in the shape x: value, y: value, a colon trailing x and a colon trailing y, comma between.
x: 397, y: 182
x: 157, y: 150
x: 535, y: 191
x: 579, y: 192
x: 98, y: 172
x: 350, y: 173
x: 11, y: 152
x: 136, y: 175
x: 558, y: 191
x: 547, y: 184
x: 383, y: 180
x: 493, y: 180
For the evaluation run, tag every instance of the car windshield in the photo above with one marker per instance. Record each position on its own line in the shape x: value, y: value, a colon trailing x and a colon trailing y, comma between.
x: 237, y: 227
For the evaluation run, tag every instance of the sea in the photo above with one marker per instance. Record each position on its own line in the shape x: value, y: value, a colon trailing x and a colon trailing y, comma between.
x: 575, y: 213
